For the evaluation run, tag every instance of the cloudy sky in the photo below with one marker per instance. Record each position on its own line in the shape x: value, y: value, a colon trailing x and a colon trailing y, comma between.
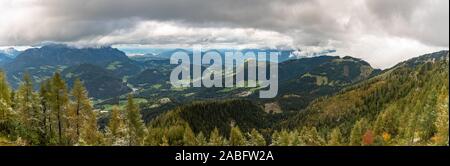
x: 382, y: 32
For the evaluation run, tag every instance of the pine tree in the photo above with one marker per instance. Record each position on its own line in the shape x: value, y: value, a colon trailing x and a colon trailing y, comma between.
x: 215, y: 139
x: 310, y: 136
x: 44, y: 96
x: 335, y: 137
x: 5, y: 91
x: 410, y: 130
x: 256, y: 139
x: 28, y: 109
x: 89, y: 134
x: 441, y: 122
x: 357, y: 132
x: 175, y: 134
x: 282, y: 138
x: 7, y: 115
x: 13, y: 98
x: 135, y: 124
x: 275, y: 139
x: 154, y: 136
x: 236, y: 137
x: 59, y: 103
x: 24, y: 108
x: 386, y: 121
x: 295, y: 138
x: 115, y: 127
x: 165, y: 141
x: 201, y: 139
x: 188, y: 137
x: 37, y: 117
x: 79, y: 109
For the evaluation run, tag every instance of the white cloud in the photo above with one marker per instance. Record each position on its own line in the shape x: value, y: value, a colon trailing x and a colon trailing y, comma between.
x: 384, y: 51
x: 380, y: 31
x: 168, y: 33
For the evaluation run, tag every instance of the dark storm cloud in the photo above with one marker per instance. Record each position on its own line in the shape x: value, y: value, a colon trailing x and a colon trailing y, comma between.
x: 283, y: 16
x: 316, y: 20
x: 348, y: 25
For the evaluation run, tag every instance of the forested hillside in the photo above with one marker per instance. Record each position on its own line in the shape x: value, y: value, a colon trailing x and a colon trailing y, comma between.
x: 407, y: 105
x: 404, y: 105
x: 205, y: 116
x: 55, y: 115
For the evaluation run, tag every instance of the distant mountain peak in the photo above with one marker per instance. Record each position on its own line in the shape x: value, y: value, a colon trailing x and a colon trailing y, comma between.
x: 431, y: 57
x: 66, y: 46
x: 10, y: 52
x: 47, y: 59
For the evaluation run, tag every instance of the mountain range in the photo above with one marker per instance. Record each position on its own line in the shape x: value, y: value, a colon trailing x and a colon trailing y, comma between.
x: 404, y: 105
x: 317, y: 96
x: 151, y: 75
